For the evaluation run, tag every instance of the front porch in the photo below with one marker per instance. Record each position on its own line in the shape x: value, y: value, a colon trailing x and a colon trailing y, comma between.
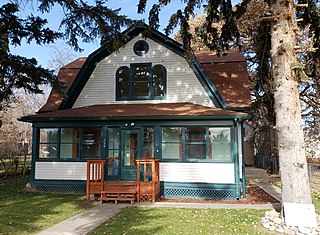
x: 145, y: 189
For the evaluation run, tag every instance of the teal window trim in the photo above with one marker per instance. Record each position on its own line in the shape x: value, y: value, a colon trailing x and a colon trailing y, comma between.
x: 79, y: 147
x: 207, y: 142
x: 151, y: 95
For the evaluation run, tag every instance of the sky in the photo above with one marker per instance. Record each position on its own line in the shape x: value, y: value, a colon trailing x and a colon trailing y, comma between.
x: 45, y: 53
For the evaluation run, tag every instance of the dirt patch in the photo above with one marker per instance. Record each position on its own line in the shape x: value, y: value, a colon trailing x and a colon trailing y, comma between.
x: 255, y: 195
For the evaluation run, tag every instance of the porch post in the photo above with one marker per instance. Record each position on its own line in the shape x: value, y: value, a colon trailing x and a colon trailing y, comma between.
x: 236, y: 160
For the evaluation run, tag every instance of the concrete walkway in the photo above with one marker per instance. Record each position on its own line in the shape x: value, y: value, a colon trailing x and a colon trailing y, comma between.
x: 261, y: 178
x: 85, y: 222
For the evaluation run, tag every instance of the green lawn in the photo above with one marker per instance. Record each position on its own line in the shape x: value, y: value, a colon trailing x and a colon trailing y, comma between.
x: 30, y: 212
x: 144, y: 220
x: 316, y: 201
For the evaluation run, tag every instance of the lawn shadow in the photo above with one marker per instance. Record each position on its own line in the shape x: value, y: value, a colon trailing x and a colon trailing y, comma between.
x: 30, y: 212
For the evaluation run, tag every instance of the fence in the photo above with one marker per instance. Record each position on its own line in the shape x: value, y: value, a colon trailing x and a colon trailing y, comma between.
x: 266, y: 162
x: 314, y: 176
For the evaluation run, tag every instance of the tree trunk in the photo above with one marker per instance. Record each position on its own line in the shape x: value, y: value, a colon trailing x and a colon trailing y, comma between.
x: 292, y: 158
x: 293, y: 164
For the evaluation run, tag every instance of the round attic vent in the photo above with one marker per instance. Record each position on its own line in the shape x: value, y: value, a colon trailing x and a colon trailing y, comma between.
x: 141, y: 48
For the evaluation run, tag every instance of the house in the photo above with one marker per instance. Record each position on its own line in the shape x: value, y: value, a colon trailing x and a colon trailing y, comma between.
x: 146, y: 100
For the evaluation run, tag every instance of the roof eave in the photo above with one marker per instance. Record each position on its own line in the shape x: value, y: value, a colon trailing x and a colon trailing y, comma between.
x: 33, y: 119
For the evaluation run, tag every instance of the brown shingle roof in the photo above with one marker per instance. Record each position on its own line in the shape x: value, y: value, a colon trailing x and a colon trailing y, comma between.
x: 138, y: 110
x: 229, y: 75
x: 67, y: 74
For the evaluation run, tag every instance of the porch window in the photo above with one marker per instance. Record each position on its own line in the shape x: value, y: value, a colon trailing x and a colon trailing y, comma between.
x: 171, y: 143
x: 91, y: 143
x: 69, y: 146
x: 48, y: 144
x: 70, y: 143
x: 148, y: 142
x: 141, y: 82
x: 220, y: 143
x: 197, y: 143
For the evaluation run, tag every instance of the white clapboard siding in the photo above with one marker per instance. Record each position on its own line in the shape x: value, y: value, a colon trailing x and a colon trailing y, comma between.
x: 61, y: 170
x: 182, y: 84
x: 197, y: 172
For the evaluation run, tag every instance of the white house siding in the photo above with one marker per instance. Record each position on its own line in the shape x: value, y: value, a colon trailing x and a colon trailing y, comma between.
x: 222, y: 173
x: 61, y: 171
x: 182, y: 84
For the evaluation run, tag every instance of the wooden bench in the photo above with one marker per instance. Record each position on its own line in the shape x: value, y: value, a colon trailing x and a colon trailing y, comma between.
x: 116, y: 196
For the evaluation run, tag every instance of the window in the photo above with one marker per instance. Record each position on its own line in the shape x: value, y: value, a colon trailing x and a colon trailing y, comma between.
x: 195, y: 139
x: 48, y: 146
x: 123, y: 74
x: 69, y: 146
x: 141, y: 81
x: 70, y: 143
x: 220, y: 143
x: 197, y: 143
x: 148, y: 143
x: 141, y: 48
x: 91, y: 143
x: 171, y: 143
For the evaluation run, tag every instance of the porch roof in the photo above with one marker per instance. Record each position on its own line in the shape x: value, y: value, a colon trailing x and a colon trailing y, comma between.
x: 137, y: 111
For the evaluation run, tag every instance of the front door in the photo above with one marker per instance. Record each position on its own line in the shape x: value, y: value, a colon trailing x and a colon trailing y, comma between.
x: 130, y: 152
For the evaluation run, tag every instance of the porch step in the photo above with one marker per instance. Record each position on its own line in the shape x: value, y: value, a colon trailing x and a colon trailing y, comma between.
x: 125, y: 195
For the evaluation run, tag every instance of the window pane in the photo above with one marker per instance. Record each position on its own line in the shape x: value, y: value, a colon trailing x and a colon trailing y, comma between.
x: 69, y: 143
x: 171, y: 143
x: 48, y: 146
x: 124, y: 89
x: 220, y: 143
x: 69, y: 150
x: 114, y: 137
x: 148, y: 143
x: 158, y: 88
x: 195, y: 134
x: 171, y: 134
x: 48, y: 150
x: 123, y: 75
x: 130, y: 149
x: 158, y: 76
x: 195, y: 151
x: 141, y: 89
x: 91, y: 143
x: 170, y: 151
x: 141, y: 84
x: 141, y: 73
x: 49, y: 135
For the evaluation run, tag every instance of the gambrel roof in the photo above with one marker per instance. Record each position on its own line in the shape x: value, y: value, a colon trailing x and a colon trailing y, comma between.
x: 225, y: 79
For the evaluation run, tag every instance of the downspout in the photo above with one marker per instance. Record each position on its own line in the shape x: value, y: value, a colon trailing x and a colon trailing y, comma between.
x: 244, y: 180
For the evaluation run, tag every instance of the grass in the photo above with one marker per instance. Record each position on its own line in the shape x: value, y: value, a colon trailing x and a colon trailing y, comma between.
x: 144, y: 220
x: 316, y: 201
x: 30, y: 212
x: 315, y: 196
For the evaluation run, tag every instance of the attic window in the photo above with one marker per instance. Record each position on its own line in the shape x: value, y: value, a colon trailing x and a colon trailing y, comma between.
x: 141, y: 81
x: 141, y: 48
